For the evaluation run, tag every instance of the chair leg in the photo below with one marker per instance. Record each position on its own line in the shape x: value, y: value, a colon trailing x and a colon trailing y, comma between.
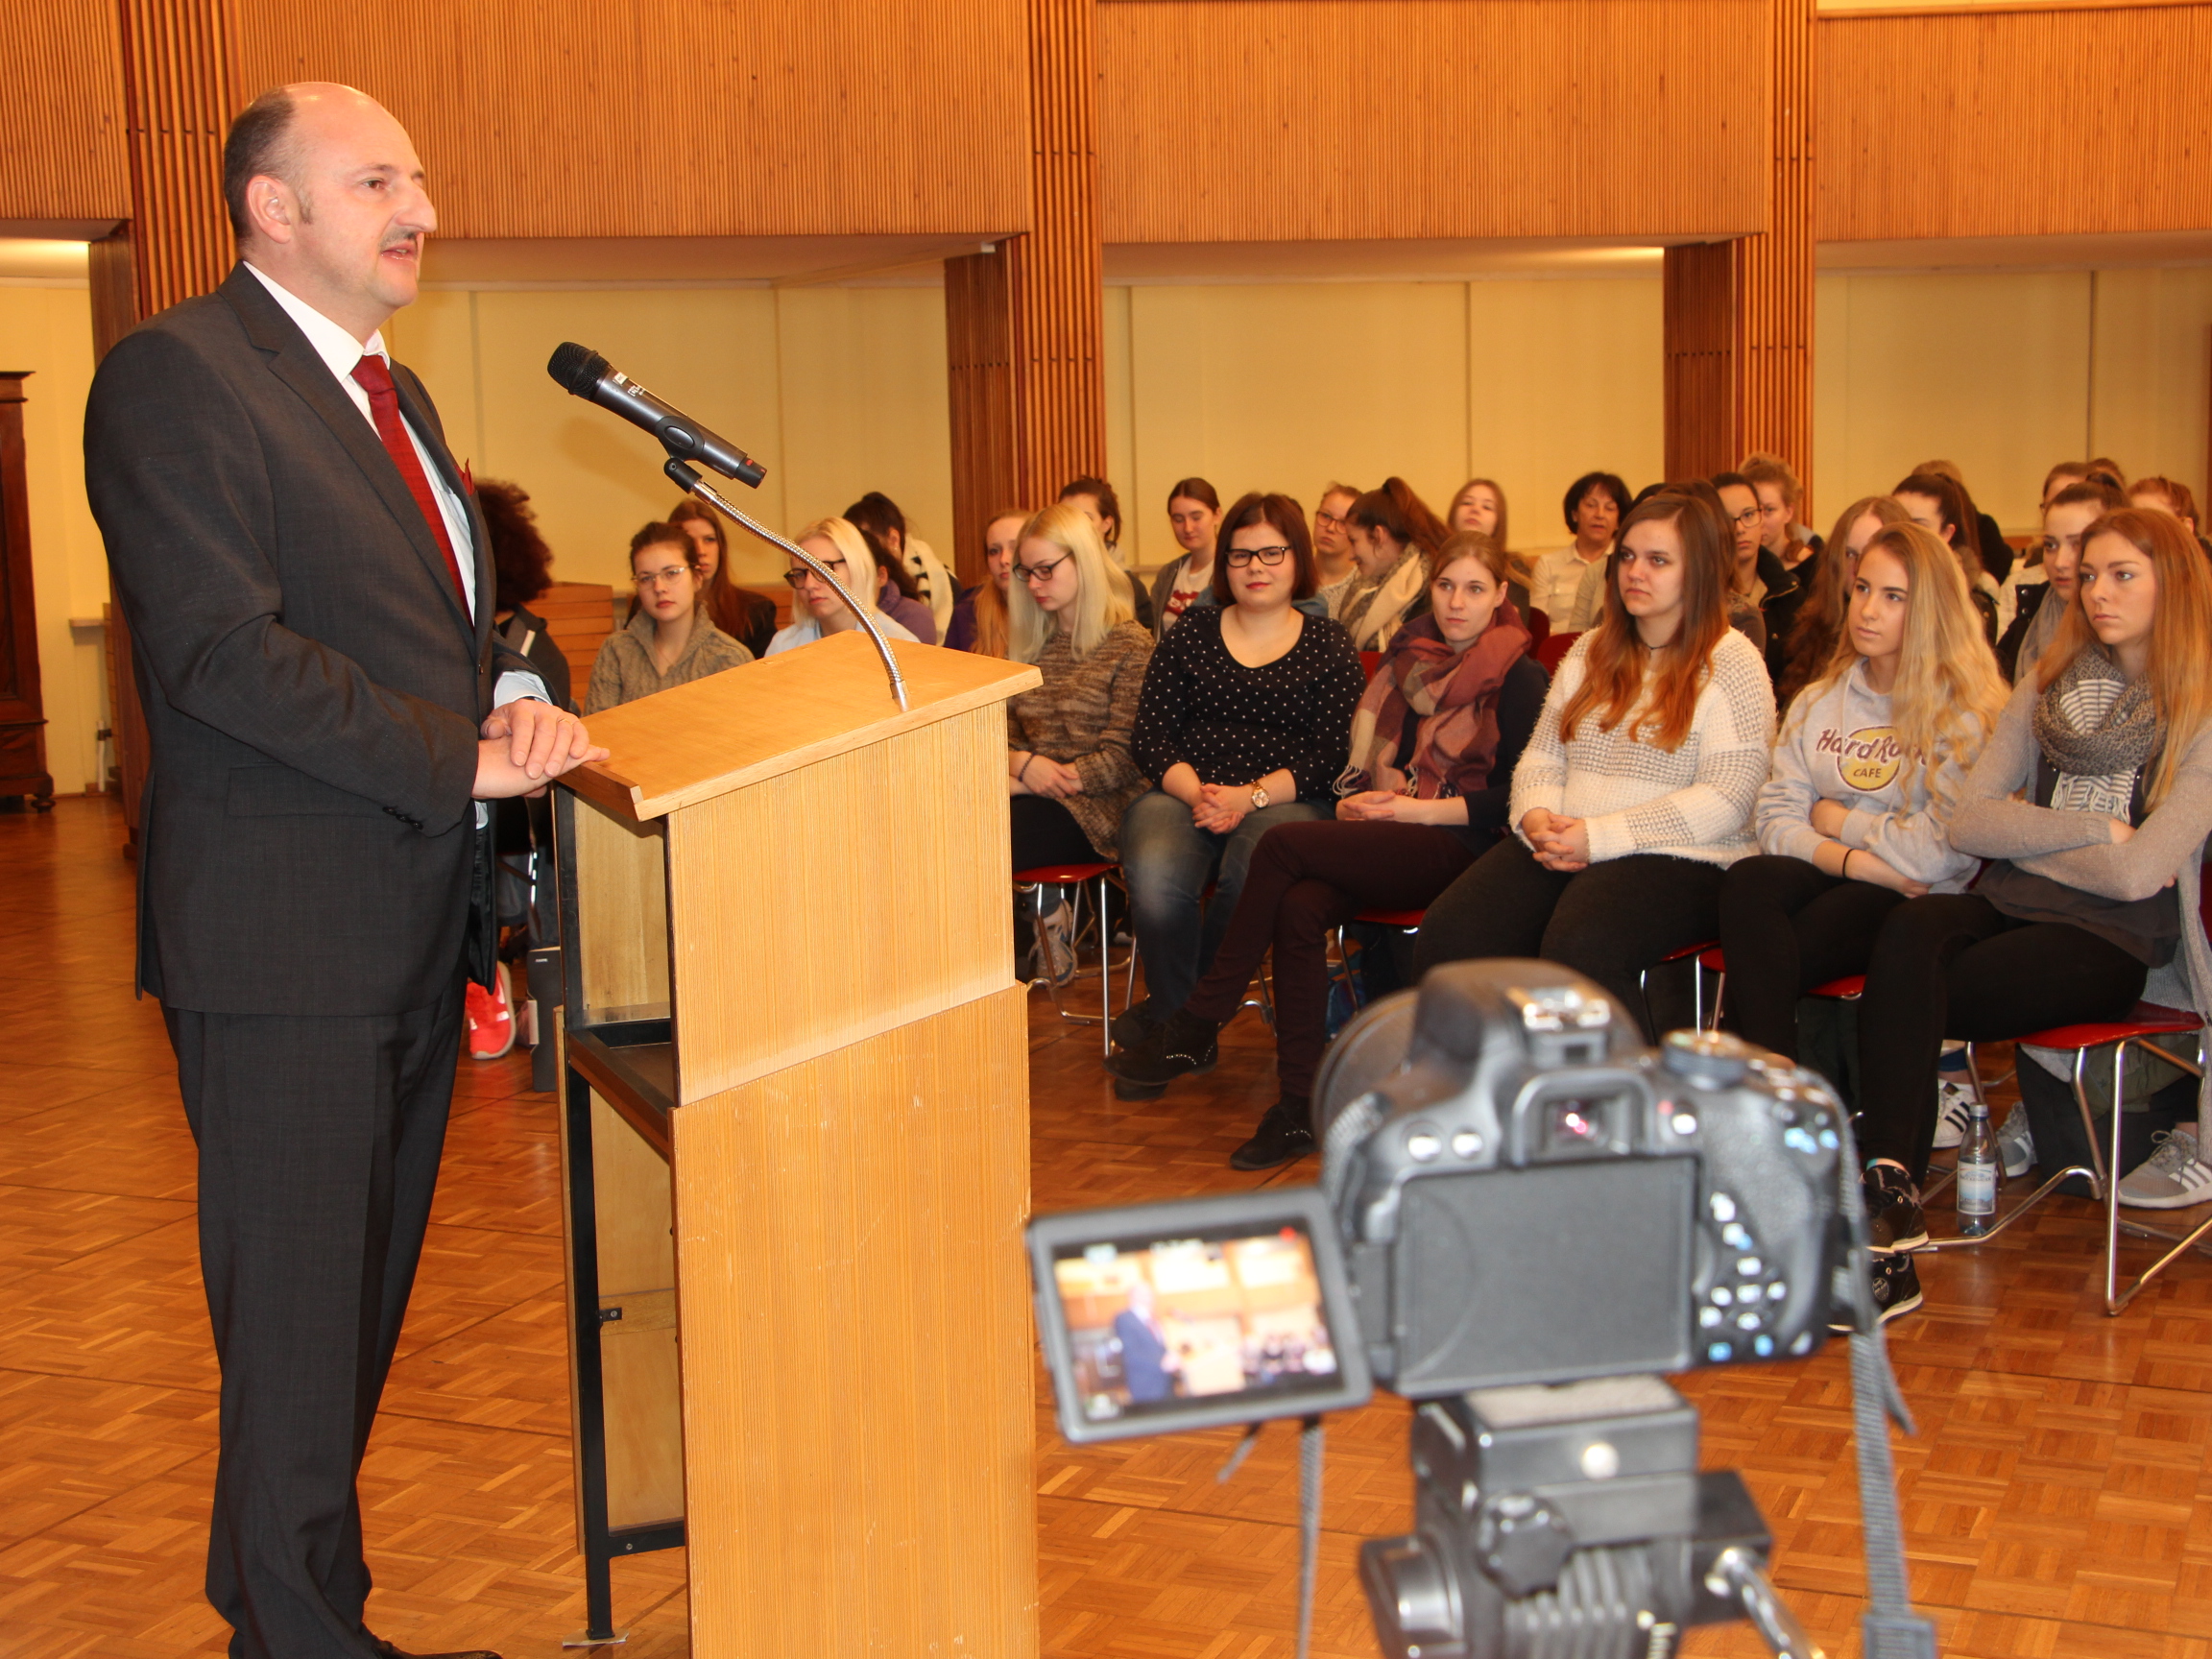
x: 1720, y: 992
x: 1105, y: 973
x: 2048, y: 1186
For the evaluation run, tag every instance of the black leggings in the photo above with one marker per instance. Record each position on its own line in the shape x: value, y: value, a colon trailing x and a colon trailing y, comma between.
x: 1045, y: 832
x: 1611, y: 921
x: 1953, y: 965
x: 1787, y: 927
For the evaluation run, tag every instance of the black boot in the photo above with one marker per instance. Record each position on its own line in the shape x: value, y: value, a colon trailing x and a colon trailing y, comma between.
x: 1284, y: 1135
x: 1184, y: 1045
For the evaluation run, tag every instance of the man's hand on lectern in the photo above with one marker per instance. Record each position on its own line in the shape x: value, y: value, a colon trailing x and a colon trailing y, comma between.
x: 526, y: 745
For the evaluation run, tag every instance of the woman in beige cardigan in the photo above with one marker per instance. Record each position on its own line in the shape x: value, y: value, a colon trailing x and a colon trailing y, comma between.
x: 669, y: 640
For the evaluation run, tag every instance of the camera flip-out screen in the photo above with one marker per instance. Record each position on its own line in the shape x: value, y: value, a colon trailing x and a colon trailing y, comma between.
x: 1194, y: 1313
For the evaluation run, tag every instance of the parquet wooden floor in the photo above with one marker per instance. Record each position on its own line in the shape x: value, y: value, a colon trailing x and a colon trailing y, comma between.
x: 2057, y: 1498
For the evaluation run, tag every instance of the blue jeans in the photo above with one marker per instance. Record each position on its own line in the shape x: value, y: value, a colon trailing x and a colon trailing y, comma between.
x: 1167, y: 861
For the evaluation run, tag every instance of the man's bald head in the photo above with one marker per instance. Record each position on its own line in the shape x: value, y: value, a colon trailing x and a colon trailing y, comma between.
x: 265, y: 140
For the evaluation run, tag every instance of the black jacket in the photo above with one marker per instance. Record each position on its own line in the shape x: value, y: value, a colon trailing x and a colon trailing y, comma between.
x: 312, y: 687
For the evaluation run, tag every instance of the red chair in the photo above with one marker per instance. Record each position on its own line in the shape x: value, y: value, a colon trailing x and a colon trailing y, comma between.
x: 1071, y: 880
x: 1539, y: 627
x: 1369, y: 661
x: 1553, y: 650
x: 1702, y: 956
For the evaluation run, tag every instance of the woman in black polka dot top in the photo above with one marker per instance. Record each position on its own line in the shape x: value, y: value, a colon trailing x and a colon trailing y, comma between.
x: 1244, y: 723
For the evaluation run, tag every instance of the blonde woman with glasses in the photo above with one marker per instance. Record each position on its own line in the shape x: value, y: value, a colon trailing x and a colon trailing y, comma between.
x: 816, y: 608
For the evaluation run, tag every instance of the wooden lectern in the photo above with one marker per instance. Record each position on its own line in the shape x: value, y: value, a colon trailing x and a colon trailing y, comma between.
x: 796, y: 1153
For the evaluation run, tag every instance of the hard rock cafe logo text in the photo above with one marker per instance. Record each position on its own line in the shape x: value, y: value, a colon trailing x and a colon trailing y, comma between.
x: 1867, y: 760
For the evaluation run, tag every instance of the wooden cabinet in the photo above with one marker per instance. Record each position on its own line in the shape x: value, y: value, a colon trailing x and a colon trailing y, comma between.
x: 22, y: 703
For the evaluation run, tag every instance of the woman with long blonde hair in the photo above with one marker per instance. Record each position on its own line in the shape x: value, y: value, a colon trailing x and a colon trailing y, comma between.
x: 1853, y: 821
x: 1817, y: 627
x: 1634, y: 793
x: 816, y: 609
x: 1070, y: 768
x: 2091, y: 799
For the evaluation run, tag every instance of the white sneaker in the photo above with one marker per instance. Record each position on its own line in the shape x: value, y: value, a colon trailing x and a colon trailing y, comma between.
x: 1954, y: 1111
x: 2172, y: 1178
x: 2014, y: 1143
x: 1056, y: 944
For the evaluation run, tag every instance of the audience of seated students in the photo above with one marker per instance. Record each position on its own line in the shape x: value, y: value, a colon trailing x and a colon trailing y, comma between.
x: 1789, y: 560
x: 1868, y: 769
x: 979, y: 617
x: 522, y: 570
x: 1818, y: 626
x: 1194, y: 515
x: 1989, y: 543
x: 1433, y: 746
x: 1595, y: 505
x: 1068, y: 765
x: 1754, y: 572
x: 1393, y: 534
x: 1634, y: 794
x: 1244, y: 723
x: 1334, y: 568
x: 2040, y: 604
x: 1094, y: 498
x: 746, y: 616
x: 669, y: 640
x: 1938, y: 504
x: 816, y: 608
x: 927, y: 578
x: 2092, y: 800
x: 897, y: 594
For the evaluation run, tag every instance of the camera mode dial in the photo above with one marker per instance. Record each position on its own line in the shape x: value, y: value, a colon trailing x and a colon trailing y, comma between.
x: 1707, y: 1059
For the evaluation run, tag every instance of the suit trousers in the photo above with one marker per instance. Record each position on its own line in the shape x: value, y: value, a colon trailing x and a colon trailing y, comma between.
x: 319, y: 1142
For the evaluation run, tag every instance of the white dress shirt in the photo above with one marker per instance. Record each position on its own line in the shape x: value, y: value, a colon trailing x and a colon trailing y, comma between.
x: 340, y: 352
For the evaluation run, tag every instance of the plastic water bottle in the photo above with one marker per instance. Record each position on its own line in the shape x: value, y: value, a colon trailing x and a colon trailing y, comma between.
x: 1979, y: 1170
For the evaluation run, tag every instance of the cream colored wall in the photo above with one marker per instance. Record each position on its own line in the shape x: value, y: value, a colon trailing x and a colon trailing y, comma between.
x: 49, y: 331
x: 2006, y: 374
x: 1290, y: 386
x: 835, y: 390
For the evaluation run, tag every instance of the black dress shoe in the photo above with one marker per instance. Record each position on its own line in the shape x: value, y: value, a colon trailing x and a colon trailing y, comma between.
x: 1282, y: 1138
x: 385, y: 1650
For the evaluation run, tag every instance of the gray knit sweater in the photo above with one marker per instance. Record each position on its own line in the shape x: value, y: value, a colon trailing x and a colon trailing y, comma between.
x: 1082, y: 716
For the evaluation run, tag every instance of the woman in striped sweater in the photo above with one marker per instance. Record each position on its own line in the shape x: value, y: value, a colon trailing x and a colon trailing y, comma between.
x: 1635, y: 792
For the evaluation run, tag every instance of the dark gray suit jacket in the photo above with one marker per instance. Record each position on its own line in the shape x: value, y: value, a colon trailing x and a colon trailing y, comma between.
x: 312, y: 683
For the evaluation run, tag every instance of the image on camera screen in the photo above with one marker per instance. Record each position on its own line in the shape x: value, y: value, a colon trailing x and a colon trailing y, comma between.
x: 1155, y: 1325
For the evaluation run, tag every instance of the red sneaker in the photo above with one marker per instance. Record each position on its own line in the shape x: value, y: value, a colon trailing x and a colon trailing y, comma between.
x: 490, y: 1018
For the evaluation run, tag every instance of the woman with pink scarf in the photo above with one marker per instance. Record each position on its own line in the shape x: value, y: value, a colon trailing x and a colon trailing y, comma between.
x: 1433, y: 745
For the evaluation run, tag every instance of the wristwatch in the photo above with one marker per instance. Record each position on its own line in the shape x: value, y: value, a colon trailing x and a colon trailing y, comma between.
x: 1259, y: 799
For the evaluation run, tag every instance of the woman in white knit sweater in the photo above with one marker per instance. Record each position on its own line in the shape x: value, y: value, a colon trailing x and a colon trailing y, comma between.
x: 1635, y: 792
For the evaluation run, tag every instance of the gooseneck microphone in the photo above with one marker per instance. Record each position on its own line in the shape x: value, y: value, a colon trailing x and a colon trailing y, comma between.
x: 580, y: 370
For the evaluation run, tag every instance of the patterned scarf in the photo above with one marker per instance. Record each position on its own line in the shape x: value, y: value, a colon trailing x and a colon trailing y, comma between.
x: 1454, y: 694
x: 2099, y: 730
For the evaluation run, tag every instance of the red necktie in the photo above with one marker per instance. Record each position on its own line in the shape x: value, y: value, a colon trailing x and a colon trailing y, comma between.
x: 376, y: 378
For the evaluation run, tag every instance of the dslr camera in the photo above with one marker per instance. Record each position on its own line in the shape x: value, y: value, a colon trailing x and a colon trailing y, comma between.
x: 1524, y: 1217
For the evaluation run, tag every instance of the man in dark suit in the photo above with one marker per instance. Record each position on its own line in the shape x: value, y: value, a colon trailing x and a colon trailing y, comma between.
x: 310, y: 598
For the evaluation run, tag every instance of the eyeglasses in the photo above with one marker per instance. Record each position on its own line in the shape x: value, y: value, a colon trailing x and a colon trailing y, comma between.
x: 798, y: 578
x: 1749, y: 515
x: 1323, y: 517
x: 665, y: 578
x: 1240, y: 557
x: 1038, y: 572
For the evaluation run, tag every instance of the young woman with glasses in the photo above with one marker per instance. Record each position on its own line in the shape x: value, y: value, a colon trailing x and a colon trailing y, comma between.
x: 1433, y: 746
x: 1334, y: 568
x: 1244, y: 723
x: 1068, y: 765
x: 1635, y: 792
x: 817, y: 610
x: 669, y: 640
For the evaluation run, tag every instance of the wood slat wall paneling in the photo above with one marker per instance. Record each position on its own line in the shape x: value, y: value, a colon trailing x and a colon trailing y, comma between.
x: 1963, y: 138
x: 178, y: 101
x: 1698, y: 306
x: 64, y: 158
x: 1774, y: 270
x: 1292, y: 120
x: 1025, y: 324
x: 980, y: 378
x: 557, y: 118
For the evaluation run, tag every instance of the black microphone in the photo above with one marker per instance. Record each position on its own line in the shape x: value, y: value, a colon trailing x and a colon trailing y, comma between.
x: 588, y: 374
